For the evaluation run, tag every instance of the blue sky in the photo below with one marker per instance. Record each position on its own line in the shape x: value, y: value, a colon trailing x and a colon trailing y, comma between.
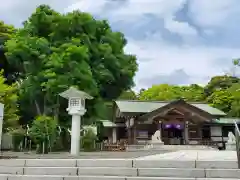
x: 176, y: 41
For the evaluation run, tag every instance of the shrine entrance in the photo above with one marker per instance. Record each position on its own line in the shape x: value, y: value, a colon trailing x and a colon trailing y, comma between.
x: 173, y: 134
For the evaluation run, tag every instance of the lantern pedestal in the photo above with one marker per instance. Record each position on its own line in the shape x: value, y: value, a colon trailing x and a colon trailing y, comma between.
x: 1, y: 123
x: 75, y: 134
x: 1, y: 126
x: 75, y: 129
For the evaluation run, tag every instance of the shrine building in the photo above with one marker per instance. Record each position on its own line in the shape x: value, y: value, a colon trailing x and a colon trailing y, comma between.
x: 180, y: 122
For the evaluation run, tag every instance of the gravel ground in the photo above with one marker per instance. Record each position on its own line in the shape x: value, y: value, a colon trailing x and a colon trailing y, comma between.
x: 82, y: 155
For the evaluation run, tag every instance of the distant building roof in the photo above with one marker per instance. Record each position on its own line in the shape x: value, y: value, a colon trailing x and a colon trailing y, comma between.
x: 131, y: 106
x: 227, y: 120
x: 108, y: 123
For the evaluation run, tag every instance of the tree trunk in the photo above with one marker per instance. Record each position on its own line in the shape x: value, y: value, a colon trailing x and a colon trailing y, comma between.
x: 37, y: 107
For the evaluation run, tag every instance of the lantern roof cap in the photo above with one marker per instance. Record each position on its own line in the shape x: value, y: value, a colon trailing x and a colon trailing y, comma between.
x: 73, y: 92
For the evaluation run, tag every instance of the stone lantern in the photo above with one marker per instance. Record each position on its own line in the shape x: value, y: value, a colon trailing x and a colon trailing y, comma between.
x: 76, y: 108
x: 1, y: 122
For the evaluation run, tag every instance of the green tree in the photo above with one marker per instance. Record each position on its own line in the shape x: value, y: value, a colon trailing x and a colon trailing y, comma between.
x: 165, y: 92
x: 227, y: 100
x: 235, y: 105
x: 222, y: 92
x: 193, y: 93
x: 88, y: 140
x: 10, y: 72
x: 160, y: 92
x: 236, y: 62
x: 8, y: 96
x: 221, y: 83
x: 43, y: 133
x: 128, y: 95
x: 221, y: 99
x: 54, y: 51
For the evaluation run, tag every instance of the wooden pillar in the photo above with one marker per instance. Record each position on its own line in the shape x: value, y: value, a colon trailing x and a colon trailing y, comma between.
x: 160, y: 128
x: 130, y: 130
x: 200, y: 131
x: 135, y: 133
x: 186, y: 133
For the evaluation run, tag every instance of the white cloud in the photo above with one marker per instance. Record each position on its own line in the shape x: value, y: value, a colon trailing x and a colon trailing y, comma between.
x: 17, y: 11
x: 92, y: 6
x: 181, y: 28
x: 199, y: 61
x: 213, y: 13
x: 137, y: 8
x: 134, y: 10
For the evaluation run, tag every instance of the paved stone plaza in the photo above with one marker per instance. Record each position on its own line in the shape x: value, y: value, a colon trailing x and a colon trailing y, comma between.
x: 84, y: 155
x: 212, y: 155
x: 148, y: 155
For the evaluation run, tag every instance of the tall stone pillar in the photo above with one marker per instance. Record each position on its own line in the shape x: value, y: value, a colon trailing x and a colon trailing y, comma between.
x: 186, y: 133
x: 114, y: 135
x: 75, y: 134
x: 1, y: 123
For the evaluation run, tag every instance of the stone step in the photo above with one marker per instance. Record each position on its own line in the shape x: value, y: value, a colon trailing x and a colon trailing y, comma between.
x: 122, y: 171
x: 138, y: 163
x: 48, y: 177
x: 185, y: 164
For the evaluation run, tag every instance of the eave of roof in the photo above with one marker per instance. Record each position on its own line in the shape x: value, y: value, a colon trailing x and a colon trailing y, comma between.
x: 134, y: 106
x: 227, y: 120
x: 108, y: 123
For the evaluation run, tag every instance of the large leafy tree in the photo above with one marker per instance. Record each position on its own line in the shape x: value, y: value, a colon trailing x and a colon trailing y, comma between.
x: 54, y: 51
x: 165, y: 92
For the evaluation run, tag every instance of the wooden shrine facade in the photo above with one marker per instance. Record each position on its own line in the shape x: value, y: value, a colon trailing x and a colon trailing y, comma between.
x: 180, y: 122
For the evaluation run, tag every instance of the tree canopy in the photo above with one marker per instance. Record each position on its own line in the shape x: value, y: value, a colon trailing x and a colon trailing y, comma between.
x: 222, y: 92
x: 166, y: 92
x: 54, y: 51
x: 220, y: 83
x: 6, y: 32
x: 128, y: 95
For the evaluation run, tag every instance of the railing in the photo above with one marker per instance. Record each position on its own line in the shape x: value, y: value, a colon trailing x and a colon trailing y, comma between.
x: 237, y: 135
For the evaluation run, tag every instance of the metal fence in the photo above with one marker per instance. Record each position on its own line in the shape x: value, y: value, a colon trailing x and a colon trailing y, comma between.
x: 237, y: 135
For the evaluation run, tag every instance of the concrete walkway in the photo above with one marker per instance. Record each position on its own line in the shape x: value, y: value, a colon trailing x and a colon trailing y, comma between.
x: 83, y: 155
x: 207, y: 155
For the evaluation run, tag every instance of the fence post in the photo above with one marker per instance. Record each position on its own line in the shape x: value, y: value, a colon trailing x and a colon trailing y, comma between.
x: 237, y: 135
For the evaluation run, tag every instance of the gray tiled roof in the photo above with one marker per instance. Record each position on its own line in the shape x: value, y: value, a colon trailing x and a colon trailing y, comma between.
x: 149, y: 106
x: 227, y: 120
